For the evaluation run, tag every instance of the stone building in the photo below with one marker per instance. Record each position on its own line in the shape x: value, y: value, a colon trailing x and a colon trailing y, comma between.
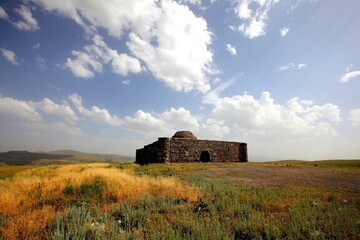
x: 185, y: 147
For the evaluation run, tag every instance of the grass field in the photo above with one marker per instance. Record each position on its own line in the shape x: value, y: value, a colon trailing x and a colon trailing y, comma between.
x: 278, y: 200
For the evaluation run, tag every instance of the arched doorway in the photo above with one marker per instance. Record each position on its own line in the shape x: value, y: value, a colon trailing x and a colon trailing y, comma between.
x: 205, y: 156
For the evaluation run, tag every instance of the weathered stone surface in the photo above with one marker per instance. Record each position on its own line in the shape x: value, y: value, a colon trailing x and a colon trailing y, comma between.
x: 184, y: 134
x: 184, y: 147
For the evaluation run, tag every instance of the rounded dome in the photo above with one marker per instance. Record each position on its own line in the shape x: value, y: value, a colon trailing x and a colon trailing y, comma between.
x: 184, y: 134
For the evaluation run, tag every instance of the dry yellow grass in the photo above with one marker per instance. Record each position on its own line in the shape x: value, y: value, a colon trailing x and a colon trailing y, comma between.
x: 30, y: 199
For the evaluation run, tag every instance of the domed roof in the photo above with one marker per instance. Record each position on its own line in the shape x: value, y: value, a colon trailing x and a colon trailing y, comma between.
x: 184, y: 134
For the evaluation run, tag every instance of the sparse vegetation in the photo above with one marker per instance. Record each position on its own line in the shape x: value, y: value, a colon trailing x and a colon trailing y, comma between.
x: 22, y: 158
x: 330, y: 164
x: 176, y: 201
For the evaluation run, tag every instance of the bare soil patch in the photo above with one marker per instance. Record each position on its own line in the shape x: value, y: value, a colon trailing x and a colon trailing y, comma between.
x: 261, y: 175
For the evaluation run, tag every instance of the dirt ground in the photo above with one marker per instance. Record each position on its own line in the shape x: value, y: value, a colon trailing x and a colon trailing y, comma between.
x: 258, y: 175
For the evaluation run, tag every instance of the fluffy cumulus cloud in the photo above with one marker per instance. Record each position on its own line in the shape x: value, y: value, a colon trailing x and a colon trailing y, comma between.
x: 264, y: 117
x: 349, y: 76
x: 95, y: 113
x: 242, y: 114
x: 83, y: 65
x: 9, y: 56
x: 232, y: 118
x: 152, y: 123
x: 35, y: 114
x: 143, y: 122
x: 175, y: 48
x: 165, y: 35
x: 212, y: 128
x: 231, y: 49
x: 253, y: 15
x: 123, y: 64
x: 19, y: 109
x: 91, y: 59
x: 172, y: 120
x: 61, y: 110
x: 355, y: 117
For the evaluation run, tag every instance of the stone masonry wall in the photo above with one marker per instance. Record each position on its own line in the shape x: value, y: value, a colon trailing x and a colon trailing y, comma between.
x: 189, y: 150
x: 157, y: 152
x: 167, y: 150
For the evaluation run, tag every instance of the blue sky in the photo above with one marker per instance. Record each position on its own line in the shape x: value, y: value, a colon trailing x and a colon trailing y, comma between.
x: 112, y: 76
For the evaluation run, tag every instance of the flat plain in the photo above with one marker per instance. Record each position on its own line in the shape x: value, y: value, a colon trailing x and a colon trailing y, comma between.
x: 269, y: 200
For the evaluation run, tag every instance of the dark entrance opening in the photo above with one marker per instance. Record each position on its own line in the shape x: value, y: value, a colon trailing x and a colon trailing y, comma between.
x: 205, y: 156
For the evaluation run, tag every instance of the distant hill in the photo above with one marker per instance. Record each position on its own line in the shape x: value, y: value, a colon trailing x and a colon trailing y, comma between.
x: 65, y: 152
x: 21, y: 158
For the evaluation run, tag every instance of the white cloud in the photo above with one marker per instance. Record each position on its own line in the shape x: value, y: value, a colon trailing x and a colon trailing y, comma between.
x: 27, y: 22
x: 212, y: 128
x: 145, y: 123
x: 212, y: 97
x: 255, y: 28
x: 301, y: 65
x: 54, y: 87
x: 254, y: 14
x: 115, y: 16
x: 231, y: 49
x: 244, y: 115
x: 170, y: 121
x: 83, y: 65
x: 28, y: 110
x: 179, y: 119
x: 10, y: 56
x: 93, y: 56
x: 292, y: 65
x: 355, y: 117
x: 284, y: 31
x: 264, y: 124
x: 194, y: 2
x: 349, y: 68
x: 37, y: 46
x: 3, y: 14
x: 152, y: 123
x: 161, y: 123
x: 126, y: 82
x: 19, y: 109
x: 349, y: 76
x: 176, y: 51
x: 123, y: 64
x: 29, y: 113
x: 243, y: 10
x: 264, y: 117
x: 171, y: 41
x: 61, y: 110
x: 95, y: 113
x: 62, y: 127
x: 100, y: 115
x: 41, y: 62
x: 76, y: 100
